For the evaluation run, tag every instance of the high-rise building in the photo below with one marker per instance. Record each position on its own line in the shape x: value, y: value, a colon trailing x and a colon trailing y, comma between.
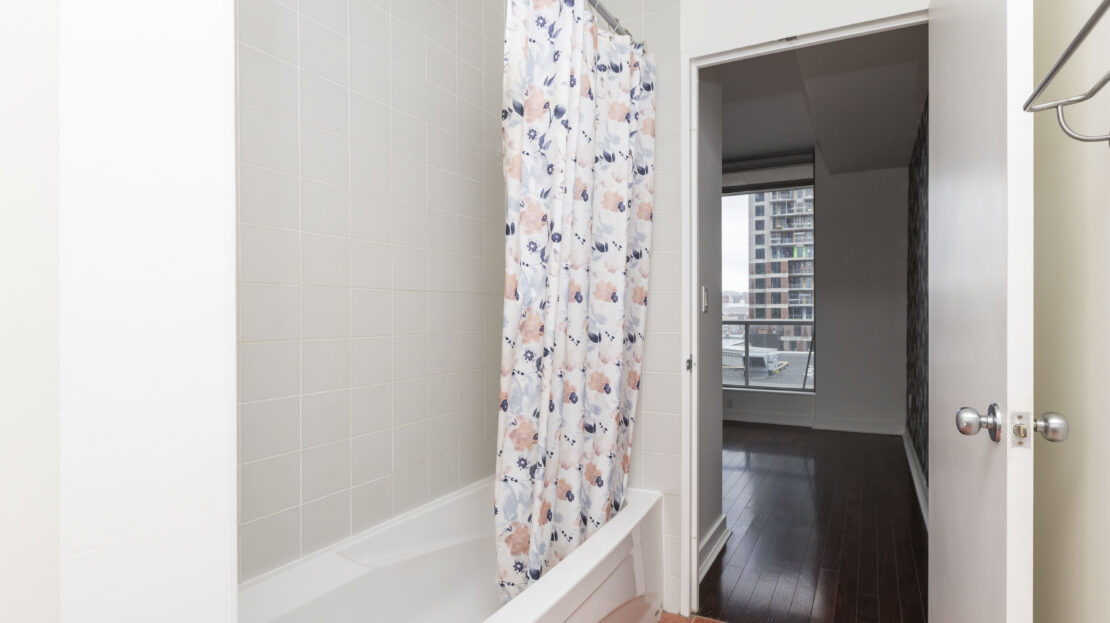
x: 780, y: 278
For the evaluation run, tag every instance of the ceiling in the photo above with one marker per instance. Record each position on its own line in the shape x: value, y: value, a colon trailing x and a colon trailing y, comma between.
x: 859, y: 100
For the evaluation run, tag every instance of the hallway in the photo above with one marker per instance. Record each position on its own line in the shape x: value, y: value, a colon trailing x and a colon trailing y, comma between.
x: 825, y: 527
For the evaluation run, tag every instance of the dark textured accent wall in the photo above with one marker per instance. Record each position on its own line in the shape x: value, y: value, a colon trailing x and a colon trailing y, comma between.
x: 917, y: 299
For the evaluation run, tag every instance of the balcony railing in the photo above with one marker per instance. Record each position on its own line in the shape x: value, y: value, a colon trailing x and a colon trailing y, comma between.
x: 768, y: 354
x: 792, y: 226
x: 787, y: 211
x: 792, y: 239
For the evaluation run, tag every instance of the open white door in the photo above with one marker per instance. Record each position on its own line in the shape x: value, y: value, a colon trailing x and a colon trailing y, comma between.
x: 980, y: 309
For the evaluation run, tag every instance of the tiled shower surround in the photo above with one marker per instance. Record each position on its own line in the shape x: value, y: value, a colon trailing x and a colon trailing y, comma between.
x: 370, y: 268
x: 371, y: 241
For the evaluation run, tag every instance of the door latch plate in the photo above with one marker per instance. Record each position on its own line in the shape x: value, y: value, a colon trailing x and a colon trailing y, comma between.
x: 1020, y: 437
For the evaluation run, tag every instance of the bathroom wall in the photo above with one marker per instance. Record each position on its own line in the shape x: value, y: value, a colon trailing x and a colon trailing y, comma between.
x: 370, y: 268
x: 1070, y: 506
x: 29, y: 373
x: 146, y: 300
x: 656, y: 459
x: 712, y: 26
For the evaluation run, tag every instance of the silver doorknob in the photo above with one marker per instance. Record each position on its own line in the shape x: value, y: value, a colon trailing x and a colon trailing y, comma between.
x: 970, y: 422
x: 1052, y: 426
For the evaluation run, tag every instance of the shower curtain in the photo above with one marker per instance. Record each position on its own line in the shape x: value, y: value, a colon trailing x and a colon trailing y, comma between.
x: 578, y: 128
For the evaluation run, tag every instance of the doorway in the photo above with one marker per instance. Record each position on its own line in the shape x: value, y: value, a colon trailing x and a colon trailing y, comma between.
x: 810, y: 498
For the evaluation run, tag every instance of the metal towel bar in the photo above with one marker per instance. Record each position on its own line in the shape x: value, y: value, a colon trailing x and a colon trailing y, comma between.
x: 1075, y: 99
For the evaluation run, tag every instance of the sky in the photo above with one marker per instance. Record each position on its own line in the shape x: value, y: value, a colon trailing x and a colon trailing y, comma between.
x: 734, y: 243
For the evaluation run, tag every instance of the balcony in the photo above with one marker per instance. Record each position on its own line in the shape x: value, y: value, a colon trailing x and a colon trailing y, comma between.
x: 767, y: 355
x: 791, y: 252
x: 792, y: 226
x: 791, y: 207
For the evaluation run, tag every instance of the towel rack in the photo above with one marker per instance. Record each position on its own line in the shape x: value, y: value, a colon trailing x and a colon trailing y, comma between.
x: 1075, y: 99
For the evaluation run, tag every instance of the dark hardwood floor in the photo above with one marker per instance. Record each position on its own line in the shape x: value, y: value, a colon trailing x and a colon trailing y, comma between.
x: 825, y: 527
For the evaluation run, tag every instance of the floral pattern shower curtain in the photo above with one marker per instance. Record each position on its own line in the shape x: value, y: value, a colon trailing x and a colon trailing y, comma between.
x: 578, y: 125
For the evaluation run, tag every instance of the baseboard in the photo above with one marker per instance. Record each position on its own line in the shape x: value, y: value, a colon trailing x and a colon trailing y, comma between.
x: 712, y: 545
x: 768, y: 417
x: 918, y: 476
x: 872, y: 427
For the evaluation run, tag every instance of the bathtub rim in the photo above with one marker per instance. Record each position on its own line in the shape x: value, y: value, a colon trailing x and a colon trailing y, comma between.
x: 555, y: 596
x: 336, y: 549
x: 580, y: 572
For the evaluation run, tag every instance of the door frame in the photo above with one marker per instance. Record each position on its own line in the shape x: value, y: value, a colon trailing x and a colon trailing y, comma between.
x: 690, y: 66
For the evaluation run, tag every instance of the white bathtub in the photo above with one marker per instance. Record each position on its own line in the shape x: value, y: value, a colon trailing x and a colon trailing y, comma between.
x: 436, y: 564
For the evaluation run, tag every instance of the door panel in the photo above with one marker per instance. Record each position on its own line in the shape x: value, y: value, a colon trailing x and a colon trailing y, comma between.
x: 980, y: 308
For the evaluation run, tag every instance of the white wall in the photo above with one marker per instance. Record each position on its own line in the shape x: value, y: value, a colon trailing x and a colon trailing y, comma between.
x: 769, y: 407
x: 710, y: 26
x: 371, y: 268
x: 710, y: 136
x: 1071, y: 548
x: 860, y: 222
x: 147, y: 243
x: 29, y: 569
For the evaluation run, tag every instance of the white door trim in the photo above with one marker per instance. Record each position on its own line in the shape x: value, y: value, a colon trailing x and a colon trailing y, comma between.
x: 690, y: 66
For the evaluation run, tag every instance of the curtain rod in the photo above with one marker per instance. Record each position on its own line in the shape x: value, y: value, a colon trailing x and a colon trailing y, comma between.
x: 608, y: 17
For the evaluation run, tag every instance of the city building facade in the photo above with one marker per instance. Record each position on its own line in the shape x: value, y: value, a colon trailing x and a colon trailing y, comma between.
x: 780, y: 243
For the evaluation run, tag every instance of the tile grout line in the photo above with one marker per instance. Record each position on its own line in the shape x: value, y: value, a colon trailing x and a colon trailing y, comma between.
x: 238, y: 317
x: 300, y: 310
x: 350, y: 303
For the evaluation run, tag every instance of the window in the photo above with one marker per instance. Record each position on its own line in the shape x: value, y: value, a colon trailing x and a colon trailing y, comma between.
x: 767, y: 282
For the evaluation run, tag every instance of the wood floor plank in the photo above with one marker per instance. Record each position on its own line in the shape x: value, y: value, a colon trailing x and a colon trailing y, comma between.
x: 867, y: 609
x: 824, y: 603
x: 848, y: 585
x: 825, y: 527
x: 890, y: 609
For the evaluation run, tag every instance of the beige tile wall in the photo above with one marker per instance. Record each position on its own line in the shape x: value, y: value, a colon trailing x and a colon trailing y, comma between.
x: 370, y: 266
